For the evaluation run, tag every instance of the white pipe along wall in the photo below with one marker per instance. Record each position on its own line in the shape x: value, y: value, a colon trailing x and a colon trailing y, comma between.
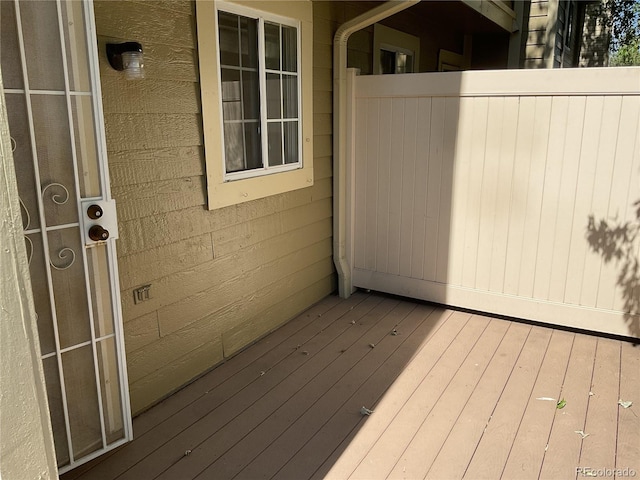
x: 387, y: 9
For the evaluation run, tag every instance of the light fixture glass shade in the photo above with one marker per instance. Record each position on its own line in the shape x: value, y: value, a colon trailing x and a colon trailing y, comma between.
x: 133, y: 65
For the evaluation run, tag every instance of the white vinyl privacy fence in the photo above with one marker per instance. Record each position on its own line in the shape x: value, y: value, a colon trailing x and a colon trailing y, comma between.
x: 508, y: 192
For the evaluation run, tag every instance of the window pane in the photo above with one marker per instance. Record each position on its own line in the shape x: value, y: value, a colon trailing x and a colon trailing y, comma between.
x: 404, y: 63
x: 289, y: 49
x: 290, y: 92
x: 251, y: 95
x: 291, y: 142
x: 272, y: 46
x: 233, y: 148
x: 231, y: 100
x: 253, y: 145
x: 387, y: 61
x: 228, y: 34
x: 249, y: 38
x: 275, y: 143
x: 274, y: 100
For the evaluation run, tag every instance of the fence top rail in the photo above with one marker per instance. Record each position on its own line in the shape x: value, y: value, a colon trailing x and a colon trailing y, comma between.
x: 503, y: 83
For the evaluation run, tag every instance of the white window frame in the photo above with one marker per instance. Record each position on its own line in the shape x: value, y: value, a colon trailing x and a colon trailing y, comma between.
x: 263, y: 17
x: 225, y: 189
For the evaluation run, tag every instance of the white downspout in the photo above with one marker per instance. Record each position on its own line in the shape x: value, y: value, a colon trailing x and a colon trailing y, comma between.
x: 345, y: 285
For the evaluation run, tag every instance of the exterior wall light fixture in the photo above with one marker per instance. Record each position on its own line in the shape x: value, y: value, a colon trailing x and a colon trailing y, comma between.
x: 127, y: 57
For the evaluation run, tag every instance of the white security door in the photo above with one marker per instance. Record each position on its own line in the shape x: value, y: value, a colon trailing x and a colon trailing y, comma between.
x: 52, y: 91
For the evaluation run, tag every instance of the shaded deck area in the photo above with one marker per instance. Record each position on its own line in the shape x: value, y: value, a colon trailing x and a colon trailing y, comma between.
x: 453, y: 395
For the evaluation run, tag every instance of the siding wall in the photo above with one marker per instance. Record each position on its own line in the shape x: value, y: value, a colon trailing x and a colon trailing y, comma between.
x: 595, y: 37
x: 540, y: 42
x: 219, y: 279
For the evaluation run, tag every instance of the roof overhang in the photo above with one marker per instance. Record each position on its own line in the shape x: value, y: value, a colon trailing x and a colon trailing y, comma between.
x: 499, y: 12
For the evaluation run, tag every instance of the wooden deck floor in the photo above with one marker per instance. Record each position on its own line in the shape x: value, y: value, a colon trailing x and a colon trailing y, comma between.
x: 454, y: 396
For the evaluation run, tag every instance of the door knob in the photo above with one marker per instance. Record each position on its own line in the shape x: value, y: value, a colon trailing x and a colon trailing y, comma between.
x: 94, y: 211
x: 98, y: 233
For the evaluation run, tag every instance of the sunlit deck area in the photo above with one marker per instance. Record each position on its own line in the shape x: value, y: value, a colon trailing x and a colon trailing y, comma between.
x: 453, y: 395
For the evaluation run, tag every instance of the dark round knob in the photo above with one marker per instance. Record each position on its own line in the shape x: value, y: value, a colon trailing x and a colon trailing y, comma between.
x: 94, y: 212
x: 98, y: 234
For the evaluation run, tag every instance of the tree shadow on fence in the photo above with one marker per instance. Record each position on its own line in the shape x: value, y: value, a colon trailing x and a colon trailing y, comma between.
x: 618, y: 242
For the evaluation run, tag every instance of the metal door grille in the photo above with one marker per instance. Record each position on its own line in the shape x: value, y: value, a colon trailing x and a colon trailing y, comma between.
x: 50, y: 72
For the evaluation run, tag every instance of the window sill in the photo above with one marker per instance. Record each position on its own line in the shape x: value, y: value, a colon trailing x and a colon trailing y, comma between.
x: 239, y: 191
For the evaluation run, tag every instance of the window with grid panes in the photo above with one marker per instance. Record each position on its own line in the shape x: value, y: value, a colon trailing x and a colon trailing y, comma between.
x: 259, y: 76
x: 256, y: 85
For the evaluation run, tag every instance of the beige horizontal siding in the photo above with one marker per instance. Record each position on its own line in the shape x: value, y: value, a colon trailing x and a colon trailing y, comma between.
x: 159, y: 197
x: 541, y: 33
x: 288, y: 224
x: 322, y: 145
x: 534, y: 63
x: 184, y: 282
x: 233, y: 340
x: 141, y: 131
x: 219, y: 279
x: 223, y: 296
x: 322, y: 55
x: 323, y: 31
x: 535, y: 52
x: 180, y: 6
x: 171, y: 376
x: 164, y: 261
x: 145, y: 22
x: 536, y: 37
x: 323, y: 167
x: 322, y: 79
x: 539, y: 9
x: 322, y: 101
x: 141, y: 331
x: 153, y: 165
x: 154, y: 231
x: 170, y: 348
x: 327, y: 10
x: 152, y: 96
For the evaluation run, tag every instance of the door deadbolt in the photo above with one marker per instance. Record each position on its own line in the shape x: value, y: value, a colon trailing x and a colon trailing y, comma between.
x: 94, y: 212
x: 98, y: 233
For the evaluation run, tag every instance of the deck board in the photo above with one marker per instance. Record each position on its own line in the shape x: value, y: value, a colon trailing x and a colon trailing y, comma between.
x: 421, y: 452
x: 346, y: 395
x: 375, y: 426
x: 336, y: 381
x: 628, y: 419
x: 461, y: 443
x: 527, y: 452
x: 336, y: 431
x: 215, y: 433
x: 599, y: 448
x: 454, y: 395
x: 563, y: 452
x: 491, y: 455
x: 388, y: 448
